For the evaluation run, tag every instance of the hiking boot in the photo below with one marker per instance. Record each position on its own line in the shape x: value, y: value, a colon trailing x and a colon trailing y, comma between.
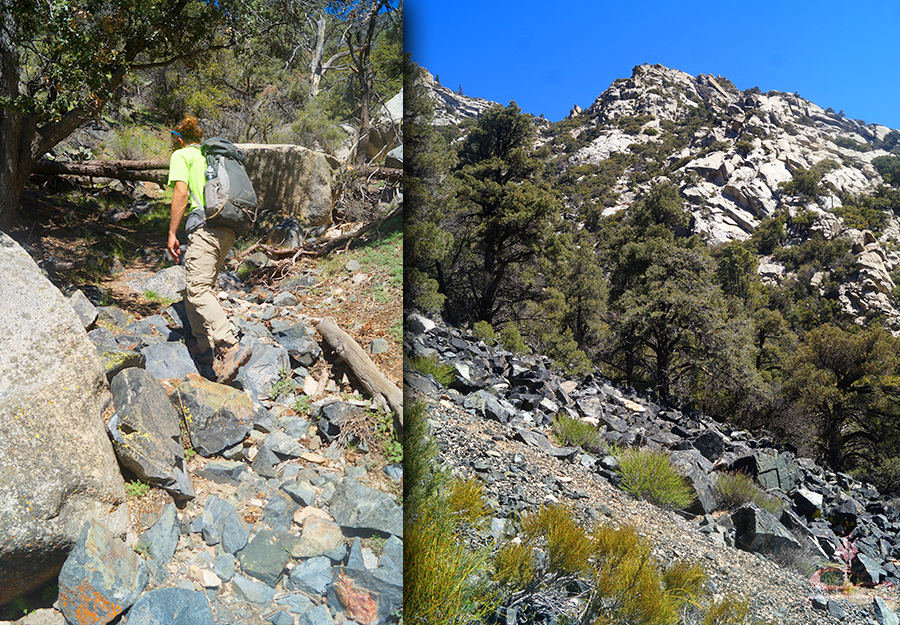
x: 230, y: 360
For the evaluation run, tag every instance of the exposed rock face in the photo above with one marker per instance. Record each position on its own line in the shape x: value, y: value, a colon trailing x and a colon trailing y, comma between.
x: 291, y: 179
x: 728, y: 152
x: 57, y: 467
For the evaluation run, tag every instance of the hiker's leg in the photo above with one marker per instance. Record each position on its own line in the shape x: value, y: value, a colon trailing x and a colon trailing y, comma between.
x: 205, y: 256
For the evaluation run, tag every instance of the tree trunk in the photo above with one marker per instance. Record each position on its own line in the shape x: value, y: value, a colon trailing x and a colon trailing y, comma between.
x: 150, y: 171
x: 365, y: 370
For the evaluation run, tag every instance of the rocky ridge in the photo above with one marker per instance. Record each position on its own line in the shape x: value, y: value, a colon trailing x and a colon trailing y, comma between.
x: 493, y: 424
x: 733, y: 151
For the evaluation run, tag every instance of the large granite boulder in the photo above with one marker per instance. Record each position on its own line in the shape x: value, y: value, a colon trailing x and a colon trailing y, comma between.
x: 57, y: 466
x: 290, y: 179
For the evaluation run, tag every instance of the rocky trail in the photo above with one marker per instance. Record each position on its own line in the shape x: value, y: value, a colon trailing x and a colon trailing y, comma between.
x: 493, y: 423
x: 272, y: 500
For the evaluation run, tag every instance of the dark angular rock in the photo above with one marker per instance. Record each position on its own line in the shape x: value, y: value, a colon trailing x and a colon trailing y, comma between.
x: 697, y: 470
x: 808, y: 503
x: 758, y: 531
x: 266, y: 555
x: 168, y: 361
x: 529, y: 437
x: 279, y: 511
x: 161, y: 540
x: 364, y: 596
x: 173, y: 606
x: 883, y: 613
x: 301, y: 492
x: 300, y: 342
x: 101, y: 577
x: 223, y: 471
x: 221, y: 523
x: 264, y: 462
x: 311, y: 576
x: 356, y: 506
x: 867, y: 570
x: 83, y: 307
x: 146, y: 433
x: 711, y: 444
x: 217, y: 416
x: 252, y: 591
x: 263, y: 369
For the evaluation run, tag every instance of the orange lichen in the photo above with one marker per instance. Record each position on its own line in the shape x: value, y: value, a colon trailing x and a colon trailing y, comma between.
x: 83, y: 604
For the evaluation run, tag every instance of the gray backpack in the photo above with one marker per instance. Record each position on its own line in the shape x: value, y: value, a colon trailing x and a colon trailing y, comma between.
x: 230, y: 201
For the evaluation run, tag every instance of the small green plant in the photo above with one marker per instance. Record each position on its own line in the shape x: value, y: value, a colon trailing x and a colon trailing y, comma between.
x: 649, y: 474
x: 284, y: 386
x: 387, y: 437
x: 443, y: 374
x: 485, y: 332
x: 153, y: 296
x: 189, y: 453
x: 302, y: 405
x: 573, y: 432
x: 136, y: 489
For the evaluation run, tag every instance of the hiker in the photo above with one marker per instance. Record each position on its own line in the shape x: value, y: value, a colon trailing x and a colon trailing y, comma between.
x: 214, y: 340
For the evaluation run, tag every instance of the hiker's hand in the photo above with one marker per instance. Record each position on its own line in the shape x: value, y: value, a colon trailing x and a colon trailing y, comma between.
x: 173, y: 246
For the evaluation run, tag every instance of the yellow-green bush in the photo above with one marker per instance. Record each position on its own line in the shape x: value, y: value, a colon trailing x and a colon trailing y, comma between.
x: 444, y: 374
x: 511, y: 339
x: 649, y: 474
x: 573, y: 432
x: 734, y: 489
x: 446, y: 581
x: 485, y: 332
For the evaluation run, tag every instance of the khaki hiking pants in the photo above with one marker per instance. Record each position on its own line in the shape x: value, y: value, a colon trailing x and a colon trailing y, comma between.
x: 207, y: 248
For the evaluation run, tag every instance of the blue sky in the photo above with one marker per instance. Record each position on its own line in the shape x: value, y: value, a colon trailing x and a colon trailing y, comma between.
x: 549, y: 56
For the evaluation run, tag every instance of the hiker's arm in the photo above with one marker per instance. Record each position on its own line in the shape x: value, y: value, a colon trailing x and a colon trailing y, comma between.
x: 179, y: 204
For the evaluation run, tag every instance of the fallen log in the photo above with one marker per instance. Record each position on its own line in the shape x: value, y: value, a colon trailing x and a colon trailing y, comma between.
x: 363, y: 368
x: 150, y: 171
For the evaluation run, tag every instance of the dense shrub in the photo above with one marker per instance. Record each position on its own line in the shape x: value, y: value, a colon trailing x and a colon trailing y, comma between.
x: 573, y: 432
x: 442, y: 373
x: 511, y: 339
x: 734, y: 489
x: 485, y: 332
x: 649, y: 474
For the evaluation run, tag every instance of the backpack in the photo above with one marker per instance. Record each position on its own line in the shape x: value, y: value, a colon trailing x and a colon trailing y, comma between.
x: 230, y: 199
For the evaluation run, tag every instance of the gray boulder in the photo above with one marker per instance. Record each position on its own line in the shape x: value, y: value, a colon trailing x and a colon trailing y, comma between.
x: 758, y: 531
x: 264, y: 368
x: 168, y: 360
x: 217, y: 416
x: 101, y: 578
x: 356, y: 506
x: 171, y: 606
x: 291, y: 179
x: 146, y: 433
x: 266, y: 555
x: 58, y: 467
